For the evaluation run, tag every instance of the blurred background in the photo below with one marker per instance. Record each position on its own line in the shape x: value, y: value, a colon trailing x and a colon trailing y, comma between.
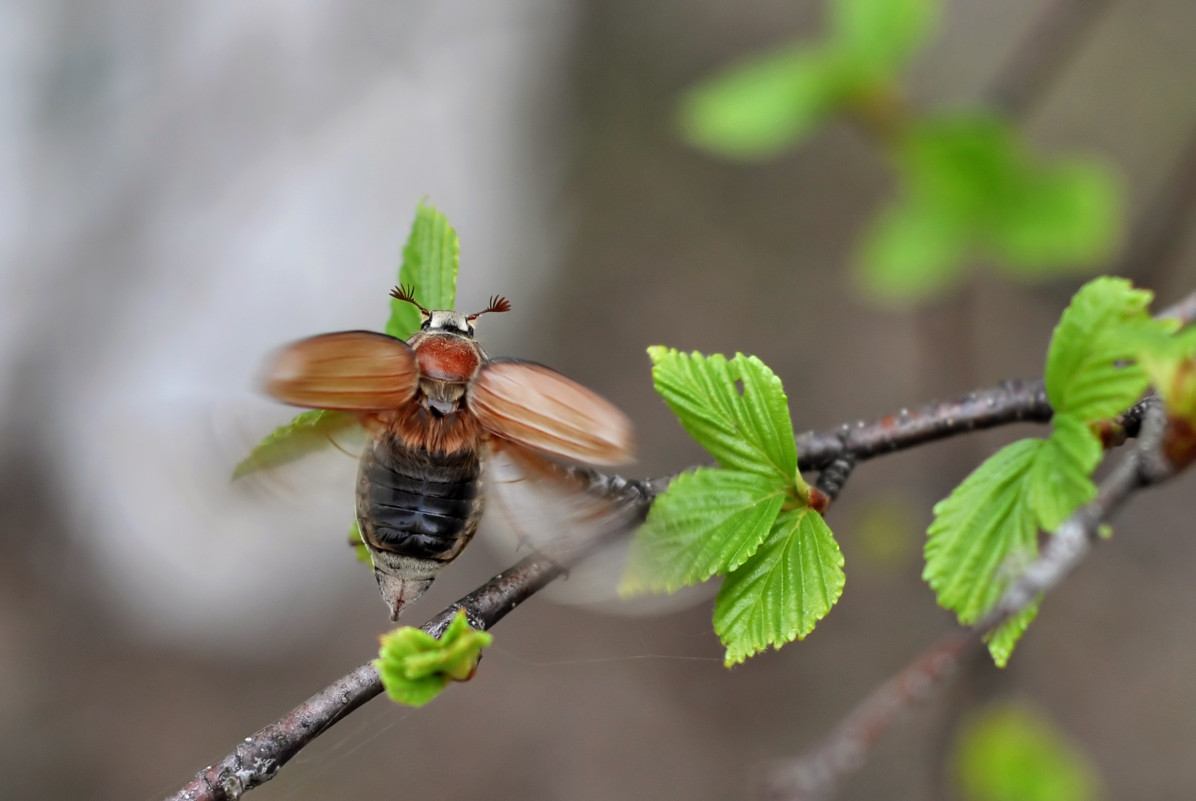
x: 185, y: 186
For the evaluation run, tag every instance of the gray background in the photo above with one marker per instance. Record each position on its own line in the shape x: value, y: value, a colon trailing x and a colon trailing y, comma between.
x: 184, y: 186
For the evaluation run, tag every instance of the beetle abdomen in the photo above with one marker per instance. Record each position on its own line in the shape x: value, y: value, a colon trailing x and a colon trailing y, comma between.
x: 418, y: 504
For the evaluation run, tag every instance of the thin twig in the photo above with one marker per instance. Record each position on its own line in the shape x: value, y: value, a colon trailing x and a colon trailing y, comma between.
x: 1010, y: 402
x: 815, y: 774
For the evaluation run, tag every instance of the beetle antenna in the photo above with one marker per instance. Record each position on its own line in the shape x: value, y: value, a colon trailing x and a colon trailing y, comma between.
x: 407, y: 293
x: 497, y: 304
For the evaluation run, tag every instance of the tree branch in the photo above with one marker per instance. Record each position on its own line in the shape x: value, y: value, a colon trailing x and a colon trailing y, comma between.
x: 833, y: 452
x: 257, y: 759
x: 815, y: 774
x: 1010, y: 402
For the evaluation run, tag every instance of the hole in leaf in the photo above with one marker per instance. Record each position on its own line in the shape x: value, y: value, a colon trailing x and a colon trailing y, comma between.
x: 739, y: 386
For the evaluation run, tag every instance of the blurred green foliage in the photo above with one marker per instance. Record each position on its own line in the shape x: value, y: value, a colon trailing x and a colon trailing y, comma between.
x: 969, y: 188
x: 757, y: 108
x: 1012, y: 752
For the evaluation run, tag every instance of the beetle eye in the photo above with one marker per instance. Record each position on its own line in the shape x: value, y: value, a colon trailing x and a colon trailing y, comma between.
x: 425, y: 324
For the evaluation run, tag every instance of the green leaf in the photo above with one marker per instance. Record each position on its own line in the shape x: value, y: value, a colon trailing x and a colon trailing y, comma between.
x: 982, y: 532
x: 308, y: 432
x: 764, y: 104
x: 708, y: 521
x: 970, y: 187
x: 1001, y: 641
x: 1170, y: 362
x: 910, y: 253
x: 761, y: 106
x: 1067, y: 217
x: 987, y: 529
x: 1087, y: 374
x: 430, y: 261
x: 415, y: 666
x: 882, y: 35
x: 783, y: 590
x: 744, y: 429
x: 1011, y: 752
x: 966, y: 166
x: 1059, y: 481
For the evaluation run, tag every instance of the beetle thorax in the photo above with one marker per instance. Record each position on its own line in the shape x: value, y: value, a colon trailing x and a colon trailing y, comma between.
x: 447, y: 361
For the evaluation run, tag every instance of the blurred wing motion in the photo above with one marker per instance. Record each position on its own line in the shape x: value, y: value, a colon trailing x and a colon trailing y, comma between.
x: 356, y: 371
x: 563, y: 511
x: 579, y: 518
x: 575, y: 516
x: 534, y: 406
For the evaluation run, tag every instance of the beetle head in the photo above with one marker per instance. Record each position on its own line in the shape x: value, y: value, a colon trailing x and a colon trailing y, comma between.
x: 447, y: 320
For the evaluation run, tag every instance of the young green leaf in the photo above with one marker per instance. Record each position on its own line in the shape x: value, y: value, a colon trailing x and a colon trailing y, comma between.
x: 1067, y: 217
x: 308, y: 432
x: 708, y: 521
x: 1171, y: 365
x: 982, y: 532
x: 415, y: 666
x: 910, y: 253
x: 755, y: 109
x: 1011, y: 752
x: 736, y: 409
x: 1059, y: 481
x: 972, y: 188
x: 988, y: 527
x: 882, y: 35
x: 430, y: 261
x: 1088, y: 373
x: 759, y: 107
x: 1002, y: 640
x: 787, y: 586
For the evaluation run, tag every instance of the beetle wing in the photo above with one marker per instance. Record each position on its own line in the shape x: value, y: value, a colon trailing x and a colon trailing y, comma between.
x: 355, y: 371
x: 539, y: 408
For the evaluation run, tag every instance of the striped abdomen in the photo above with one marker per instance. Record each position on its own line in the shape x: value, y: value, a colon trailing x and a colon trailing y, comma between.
x: 417, y: 504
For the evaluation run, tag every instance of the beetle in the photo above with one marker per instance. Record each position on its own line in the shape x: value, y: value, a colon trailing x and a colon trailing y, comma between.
x: 435, y: 408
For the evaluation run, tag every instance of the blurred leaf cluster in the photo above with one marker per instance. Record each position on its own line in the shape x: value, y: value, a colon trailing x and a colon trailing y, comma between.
x: 1012, y: 752
x: 969, y: 187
